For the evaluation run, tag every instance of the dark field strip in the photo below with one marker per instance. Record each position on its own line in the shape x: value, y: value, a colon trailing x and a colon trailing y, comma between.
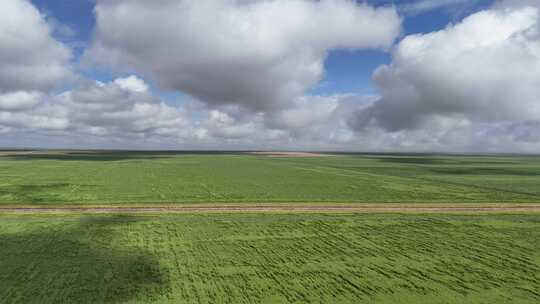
x: 279, y: 258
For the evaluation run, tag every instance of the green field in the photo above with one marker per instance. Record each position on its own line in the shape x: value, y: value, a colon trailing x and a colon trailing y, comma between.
x: 243, y: 258
x: 266, y: 258
x: 160, y: 177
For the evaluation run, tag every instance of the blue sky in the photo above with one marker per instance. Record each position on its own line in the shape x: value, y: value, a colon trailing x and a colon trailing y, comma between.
x: 346, y: 71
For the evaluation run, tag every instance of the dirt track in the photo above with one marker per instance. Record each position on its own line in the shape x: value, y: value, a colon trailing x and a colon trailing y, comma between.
x: 290, y: 154
x: 290, y: 208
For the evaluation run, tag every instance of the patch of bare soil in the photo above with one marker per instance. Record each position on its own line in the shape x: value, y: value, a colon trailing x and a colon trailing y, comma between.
x: 14, y: 152
x: 290, y: 154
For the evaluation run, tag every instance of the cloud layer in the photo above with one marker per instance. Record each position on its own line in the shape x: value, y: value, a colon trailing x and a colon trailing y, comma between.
x: 246, y: 65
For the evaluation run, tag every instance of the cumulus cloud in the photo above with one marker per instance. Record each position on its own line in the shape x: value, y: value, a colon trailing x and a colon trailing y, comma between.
x: 485, y: 70
x: 123, y: 107
x: 311, y: 122
x: 132, y: 83
x: 19, y: 100
x: 32, y: 63
x: 30, y: 59
x: 118, y: 109
x: 258, y: 54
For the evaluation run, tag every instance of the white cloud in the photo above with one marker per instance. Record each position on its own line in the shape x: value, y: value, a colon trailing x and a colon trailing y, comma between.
x: 258, y: 54
x: 32, y: 63
x: 19, y: 100
x: 117, y: 109
x: 312, y: 122
x: 34, y: 120
x: 485, y: 69
x: 121, y: 108
x: 132, y: 83
x: 30, y: 59
x: 306, y: 112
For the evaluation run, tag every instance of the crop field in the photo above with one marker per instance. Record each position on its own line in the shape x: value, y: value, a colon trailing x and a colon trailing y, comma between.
x: 250, y: 258
x: 83, y: 178
x: 313, y: 245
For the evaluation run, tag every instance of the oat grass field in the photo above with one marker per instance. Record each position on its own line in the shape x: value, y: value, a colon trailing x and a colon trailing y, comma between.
x: 236, y: 227
x: 269, y: 258
x: 124, y: 178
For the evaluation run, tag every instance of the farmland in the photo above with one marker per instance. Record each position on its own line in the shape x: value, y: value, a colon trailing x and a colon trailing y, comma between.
x: 118, y: 178
x: 268, y: 228
x: 253, y: 258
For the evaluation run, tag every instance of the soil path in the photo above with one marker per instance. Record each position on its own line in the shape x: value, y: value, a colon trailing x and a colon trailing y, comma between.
x: 291, y: 154
x: 288, y: 208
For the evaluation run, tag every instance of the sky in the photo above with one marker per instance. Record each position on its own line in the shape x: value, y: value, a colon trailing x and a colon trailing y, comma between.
x: 332, y: 75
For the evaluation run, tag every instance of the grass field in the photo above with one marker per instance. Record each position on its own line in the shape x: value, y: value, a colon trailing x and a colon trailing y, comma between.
x: 142, y: 178
x: 243, y: 258
x: 273, y: 257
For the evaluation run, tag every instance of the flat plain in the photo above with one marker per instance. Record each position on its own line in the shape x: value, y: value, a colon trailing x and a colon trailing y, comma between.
x: 268, y: 228
x: 124, y: 178
x: 280, y: 258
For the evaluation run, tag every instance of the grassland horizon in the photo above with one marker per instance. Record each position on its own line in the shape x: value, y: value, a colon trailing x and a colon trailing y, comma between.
x: 82, y: 177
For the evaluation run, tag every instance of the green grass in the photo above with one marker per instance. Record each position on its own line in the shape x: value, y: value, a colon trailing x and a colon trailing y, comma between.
x: 242, y: 258
x: 137, y: 177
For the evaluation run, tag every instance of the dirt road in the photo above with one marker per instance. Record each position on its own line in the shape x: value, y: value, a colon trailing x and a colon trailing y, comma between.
x: 286, y: 208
